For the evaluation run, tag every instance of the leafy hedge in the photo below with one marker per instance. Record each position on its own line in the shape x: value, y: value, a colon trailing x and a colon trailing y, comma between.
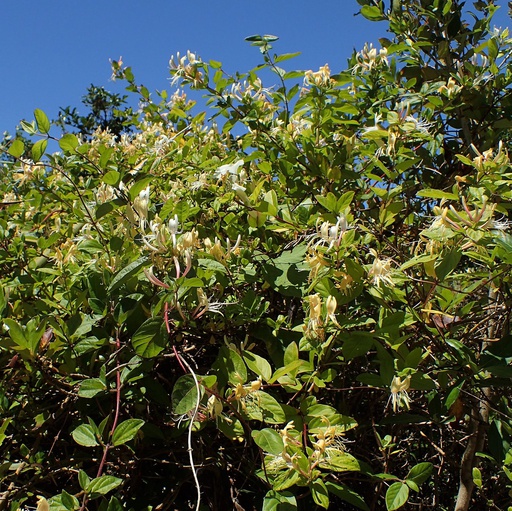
x: 299, y: 297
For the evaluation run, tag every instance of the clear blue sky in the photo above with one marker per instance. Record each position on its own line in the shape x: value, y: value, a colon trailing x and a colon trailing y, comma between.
x: 53, y: 50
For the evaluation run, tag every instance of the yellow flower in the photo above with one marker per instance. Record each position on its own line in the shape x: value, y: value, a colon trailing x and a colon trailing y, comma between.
x: 42, y: 504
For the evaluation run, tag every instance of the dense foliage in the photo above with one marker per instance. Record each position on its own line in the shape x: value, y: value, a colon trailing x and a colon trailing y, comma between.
x: 298, y: 298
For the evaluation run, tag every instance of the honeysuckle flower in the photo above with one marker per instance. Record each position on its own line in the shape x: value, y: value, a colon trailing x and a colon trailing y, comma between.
x: 227, y: 170
x: 315, y: 260
x: 320, y: 78
x: 42, y: 504
x: 399, y: 396
x: 241, y: 193
x: 141, y: 206
x: 188, y: 240
x: 153, y: 279
x: 331, y: 304
x: 330, y: 234
x: 381, y: 271
x: 419, y: 125
x: 214, y: 407
x: 451, y: 88
x: 207, y: 305
x: 174, y: 227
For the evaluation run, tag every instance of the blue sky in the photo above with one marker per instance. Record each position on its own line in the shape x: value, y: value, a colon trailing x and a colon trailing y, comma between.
x: 53, y: 50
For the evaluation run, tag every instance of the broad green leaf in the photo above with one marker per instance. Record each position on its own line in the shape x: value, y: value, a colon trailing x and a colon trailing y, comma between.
x: 357, y: 344
x: 279, y: 501
x: 136, y: 188
x: 126, y: 431
x: 127, y: 272
x: 420, y: 472
x: 16, y: 148
x: 103, y: 484
x: 258, y: 365
x: 29, y: 127
x: 372, y: 13
x: 111, y: 178
x: 16, y: 333
x: 396, y: 496
x: 68, y: 143
x: 38, y: 149
x: 230, y: 366
x: 320, y: 493
x: 43, y: 123
x: 83, y: 479
x: 348, y: 495
x: 84, y: 435
x: 150, y: 339
x: 184, y: 395
x: 447, y: 263
x: 269, y: 440
x: 115, y: 505
x: 340, y: 461
x: 91, y: 387
x: 263, y: 407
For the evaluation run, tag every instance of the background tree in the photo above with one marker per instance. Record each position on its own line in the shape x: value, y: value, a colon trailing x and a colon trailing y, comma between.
x: 107, y: 111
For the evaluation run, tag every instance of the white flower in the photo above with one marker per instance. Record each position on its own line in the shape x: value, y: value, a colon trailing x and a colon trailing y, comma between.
x: 418, y: 124
x: 381, y: 270
x: 399, y: 396
x: 331, y: 234
x: 141, y: 205
x: 174, y: 226
x: 241, y: 193
x: 229, y: 169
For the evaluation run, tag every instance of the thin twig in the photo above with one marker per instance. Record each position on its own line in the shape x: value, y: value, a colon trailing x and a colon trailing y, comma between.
x: 191, y: 425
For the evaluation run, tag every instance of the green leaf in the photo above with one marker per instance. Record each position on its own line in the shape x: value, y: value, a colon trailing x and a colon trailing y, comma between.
x: 127, y: 272
x: 150, y: 339
x: 279, y: 501
x: 263, y: 407
x: 431, y: 193
x: 320, y: 493
x: 126, y: 431
x: 341, y: 462
x: 83, y: 479
x: 28, y: 127
x: 16, y: 333
x: 230, y: 366
x: 85, y: 435
x: 111, y: 178
x: 68, y: 143
x: 70, y: 502
x: 346, y: 494
x: 16, y: 148
x: 184, y: 395
x: 91, y: 387
x: 115, y: 505
x: 43, y: 123
x: 396, y: 496
x: 372, y: 13
x: 447, y: 263
x: 269, y: 440
x: 357, y: 344
x: 258, y: 365
x: 477, y: 477
x: 103, y: 484
x: 38, y: 149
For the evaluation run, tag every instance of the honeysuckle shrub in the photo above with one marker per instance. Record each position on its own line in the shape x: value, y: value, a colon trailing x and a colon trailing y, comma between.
x: 286, y: 297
